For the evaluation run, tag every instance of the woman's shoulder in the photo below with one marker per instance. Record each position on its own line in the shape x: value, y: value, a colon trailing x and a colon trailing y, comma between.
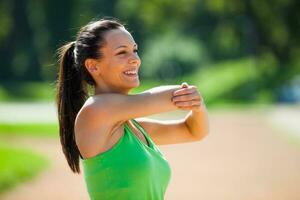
x: 102, y: 102
x: 91, y: 131
x: 91, y: 106
x: 87, y: 119
x: 94, y: 114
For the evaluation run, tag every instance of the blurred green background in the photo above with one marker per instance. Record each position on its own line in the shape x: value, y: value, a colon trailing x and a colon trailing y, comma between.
x: 237, y: 52
x: 244, y: 51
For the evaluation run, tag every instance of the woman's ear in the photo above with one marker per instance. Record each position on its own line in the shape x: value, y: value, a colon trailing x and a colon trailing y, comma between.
x: 92, y: 65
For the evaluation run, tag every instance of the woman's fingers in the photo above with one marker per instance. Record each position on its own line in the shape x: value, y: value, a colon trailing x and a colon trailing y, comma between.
x: 188, y: 103
x: 184, y: 85
x: 187, y: 90
x: 196, y: 105
x: 187, y: 97
x: 189, y: 108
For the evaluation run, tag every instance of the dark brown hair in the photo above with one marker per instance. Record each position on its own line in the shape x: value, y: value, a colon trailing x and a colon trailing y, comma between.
x: 73, y: 80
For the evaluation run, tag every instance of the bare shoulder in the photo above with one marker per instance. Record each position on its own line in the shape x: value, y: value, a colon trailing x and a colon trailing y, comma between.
x: 92, y: 131
x: 87, y: 118
x: 96, y: 108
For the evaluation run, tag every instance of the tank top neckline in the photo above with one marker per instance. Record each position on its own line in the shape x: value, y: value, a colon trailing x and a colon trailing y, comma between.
x: 126, y: 127
x: 150, y: 146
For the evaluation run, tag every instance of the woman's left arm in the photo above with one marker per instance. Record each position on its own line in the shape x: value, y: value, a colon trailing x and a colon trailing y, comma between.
x: 193, y: 127
x: 189, y: 98
x: 197, y: 122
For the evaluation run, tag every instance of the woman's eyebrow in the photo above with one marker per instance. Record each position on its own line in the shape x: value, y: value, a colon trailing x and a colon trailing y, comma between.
x: 124, y: 46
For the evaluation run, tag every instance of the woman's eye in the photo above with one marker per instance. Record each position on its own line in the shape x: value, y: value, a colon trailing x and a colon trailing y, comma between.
x: 124, y: 52
x: 121, y: 52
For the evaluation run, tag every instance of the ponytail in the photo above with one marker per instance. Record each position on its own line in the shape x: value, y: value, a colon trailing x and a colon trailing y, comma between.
x: 74, y: 80
x: 70, y: 97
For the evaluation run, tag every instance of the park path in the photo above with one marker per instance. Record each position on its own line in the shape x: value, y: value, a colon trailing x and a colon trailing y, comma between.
x: 241, y: 159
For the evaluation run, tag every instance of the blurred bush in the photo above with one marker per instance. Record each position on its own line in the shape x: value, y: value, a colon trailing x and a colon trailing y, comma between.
x: 174, y: 38
x: 172, y: 55
x: 27, y: 91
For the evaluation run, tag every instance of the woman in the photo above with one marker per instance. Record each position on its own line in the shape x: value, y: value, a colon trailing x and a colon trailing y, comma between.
x: 118, y: 153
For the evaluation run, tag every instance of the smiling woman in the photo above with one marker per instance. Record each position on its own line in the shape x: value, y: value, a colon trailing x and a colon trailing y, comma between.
x: 119, y: 154
x: 119, y: 63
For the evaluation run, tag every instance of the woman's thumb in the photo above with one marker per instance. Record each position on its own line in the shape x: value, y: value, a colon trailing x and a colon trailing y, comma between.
x: 184, y: 85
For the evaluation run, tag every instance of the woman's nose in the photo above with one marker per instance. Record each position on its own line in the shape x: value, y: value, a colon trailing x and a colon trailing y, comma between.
x: 135, y: 59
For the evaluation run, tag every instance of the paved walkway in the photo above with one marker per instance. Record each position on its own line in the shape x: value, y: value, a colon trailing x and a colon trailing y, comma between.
x: 28, y: 112
x: 241, y: 159
x: 285, y: 119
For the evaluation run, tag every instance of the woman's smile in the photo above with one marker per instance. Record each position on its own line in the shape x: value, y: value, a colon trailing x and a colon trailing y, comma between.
x: 132, y: 74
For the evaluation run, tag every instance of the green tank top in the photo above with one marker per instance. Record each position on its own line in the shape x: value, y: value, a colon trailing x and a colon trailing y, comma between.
x: 130, y: 170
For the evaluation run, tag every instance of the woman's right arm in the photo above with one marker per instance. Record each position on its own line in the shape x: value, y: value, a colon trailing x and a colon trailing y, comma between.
x: 105, y: 112
x: 115, y: 107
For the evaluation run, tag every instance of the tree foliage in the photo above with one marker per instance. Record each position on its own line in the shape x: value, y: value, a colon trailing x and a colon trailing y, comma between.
x: 175, y: 37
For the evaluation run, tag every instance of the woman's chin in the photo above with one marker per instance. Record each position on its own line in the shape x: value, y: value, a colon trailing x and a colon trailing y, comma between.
x: 133, y: 85
x: 136, y: 84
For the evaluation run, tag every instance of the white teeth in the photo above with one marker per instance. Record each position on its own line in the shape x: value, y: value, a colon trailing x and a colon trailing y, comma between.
x: 130, y: 72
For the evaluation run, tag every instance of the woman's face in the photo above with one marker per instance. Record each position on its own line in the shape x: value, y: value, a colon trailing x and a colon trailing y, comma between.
x: 120, y: 62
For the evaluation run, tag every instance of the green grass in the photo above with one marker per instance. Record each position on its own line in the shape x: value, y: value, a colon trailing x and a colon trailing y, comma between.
x: 18, y: 165
x: 33, y: 129
x: 29, y: 91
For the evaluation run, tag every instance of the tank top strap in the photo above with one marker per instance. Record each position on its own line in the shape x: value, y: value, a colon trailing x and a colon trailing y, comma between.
x: 140, y: 127
x: 144, y: 133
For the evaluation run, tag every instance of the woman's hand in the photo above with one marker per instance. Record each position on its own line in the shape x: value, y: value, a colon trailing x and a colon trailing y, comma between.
x: 187, y: 98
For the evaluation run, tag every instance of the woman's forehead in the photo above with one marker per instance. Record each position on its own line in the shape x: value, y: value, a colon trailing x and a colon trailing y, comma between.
x: 118, y: 37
